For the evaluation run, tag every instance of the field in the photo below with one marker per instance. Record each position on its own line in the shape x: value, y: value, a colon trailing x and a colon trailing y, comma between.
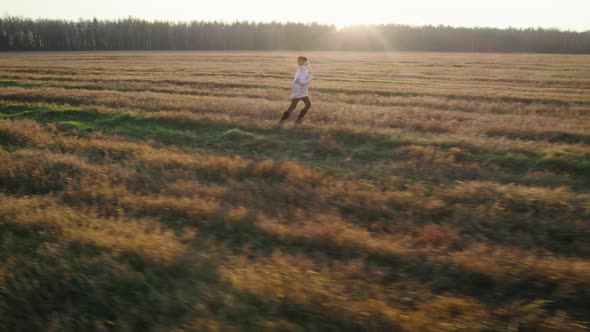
x: 425, y: 192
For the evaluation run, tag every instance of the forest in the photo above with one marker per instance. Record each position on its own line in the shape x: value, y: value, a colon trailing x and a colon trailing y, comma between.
x: 25, y: 34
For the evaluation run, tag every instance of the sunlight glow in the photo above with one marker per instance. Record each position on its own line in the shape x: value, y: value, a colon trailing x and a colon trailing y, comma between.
x: 563, y: 14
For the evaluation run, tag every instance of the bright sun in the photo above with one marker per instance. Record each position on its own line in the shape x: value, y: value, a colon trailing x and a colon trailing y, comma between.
x: 564, y: 14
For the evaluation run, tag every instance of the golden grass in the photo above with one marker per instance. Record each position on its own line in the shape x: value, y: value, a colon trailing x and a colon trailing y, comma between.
x: 336, y: 291
x: 443, y: 192
x: 144, y: 237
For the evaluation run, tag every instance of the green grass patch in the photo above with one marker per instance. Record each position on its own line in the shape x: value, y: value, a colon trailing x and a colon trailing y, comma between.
x: 19, y: 84
x: 304, y: 144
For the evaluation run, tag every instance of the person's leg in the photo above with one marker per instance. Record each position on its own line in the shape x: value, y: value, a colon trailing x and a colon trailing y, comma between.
x: 286, y: 114
x: 305, y: 109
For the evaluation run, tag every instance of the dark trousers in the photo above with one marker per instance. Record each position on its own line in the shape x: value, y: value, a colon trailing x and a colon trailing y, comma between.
x: 294, y: 102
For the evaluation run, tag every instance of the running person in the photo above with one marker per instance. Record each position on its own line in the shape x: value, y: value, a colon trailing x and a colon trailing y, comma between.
x: 299, y: 91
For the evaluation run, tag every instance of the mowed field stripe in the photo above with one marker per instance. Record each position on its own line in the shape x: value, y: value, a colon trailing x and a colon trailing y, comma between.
x: 497, y: 95
x: 426, y: 103
x: 435, y: 118
x: 398, y: 79
x: 497, y: 106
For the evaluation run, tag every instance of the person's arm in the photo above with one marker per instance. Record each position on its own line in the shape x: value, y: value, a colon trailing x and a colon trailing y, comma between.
x: 305, y: 78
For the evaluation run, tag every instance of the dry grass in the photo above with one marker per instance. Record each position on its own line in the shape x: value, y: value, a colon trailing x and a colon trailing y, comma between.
x: 428, y: 192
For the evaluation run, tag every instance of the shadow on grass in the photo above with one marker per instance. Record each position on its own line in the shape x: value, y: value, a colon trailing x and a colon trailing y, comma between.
x: 550, y: 136
x: 70, y: 286
x: 73, y: 286
x: 328, y: 149
x: 439, y: 275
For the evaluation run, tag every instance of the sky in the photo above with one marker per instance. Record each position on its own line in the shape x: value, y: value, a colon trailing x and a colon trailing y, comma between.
x: 561, y: 14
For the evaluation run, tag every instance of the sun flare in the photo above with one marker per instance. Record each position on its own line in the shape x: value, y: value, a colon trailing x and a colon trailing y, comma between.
x: 564, y: 14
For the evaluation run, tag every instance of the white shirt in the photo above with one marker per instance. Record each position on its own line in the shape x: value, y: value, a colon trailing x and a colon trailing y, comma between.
x: 301, y: 81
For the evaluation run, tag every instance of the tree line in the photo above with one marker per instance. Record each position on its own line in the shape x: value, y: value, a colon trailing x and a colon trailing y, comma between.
x: 23, y: 34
